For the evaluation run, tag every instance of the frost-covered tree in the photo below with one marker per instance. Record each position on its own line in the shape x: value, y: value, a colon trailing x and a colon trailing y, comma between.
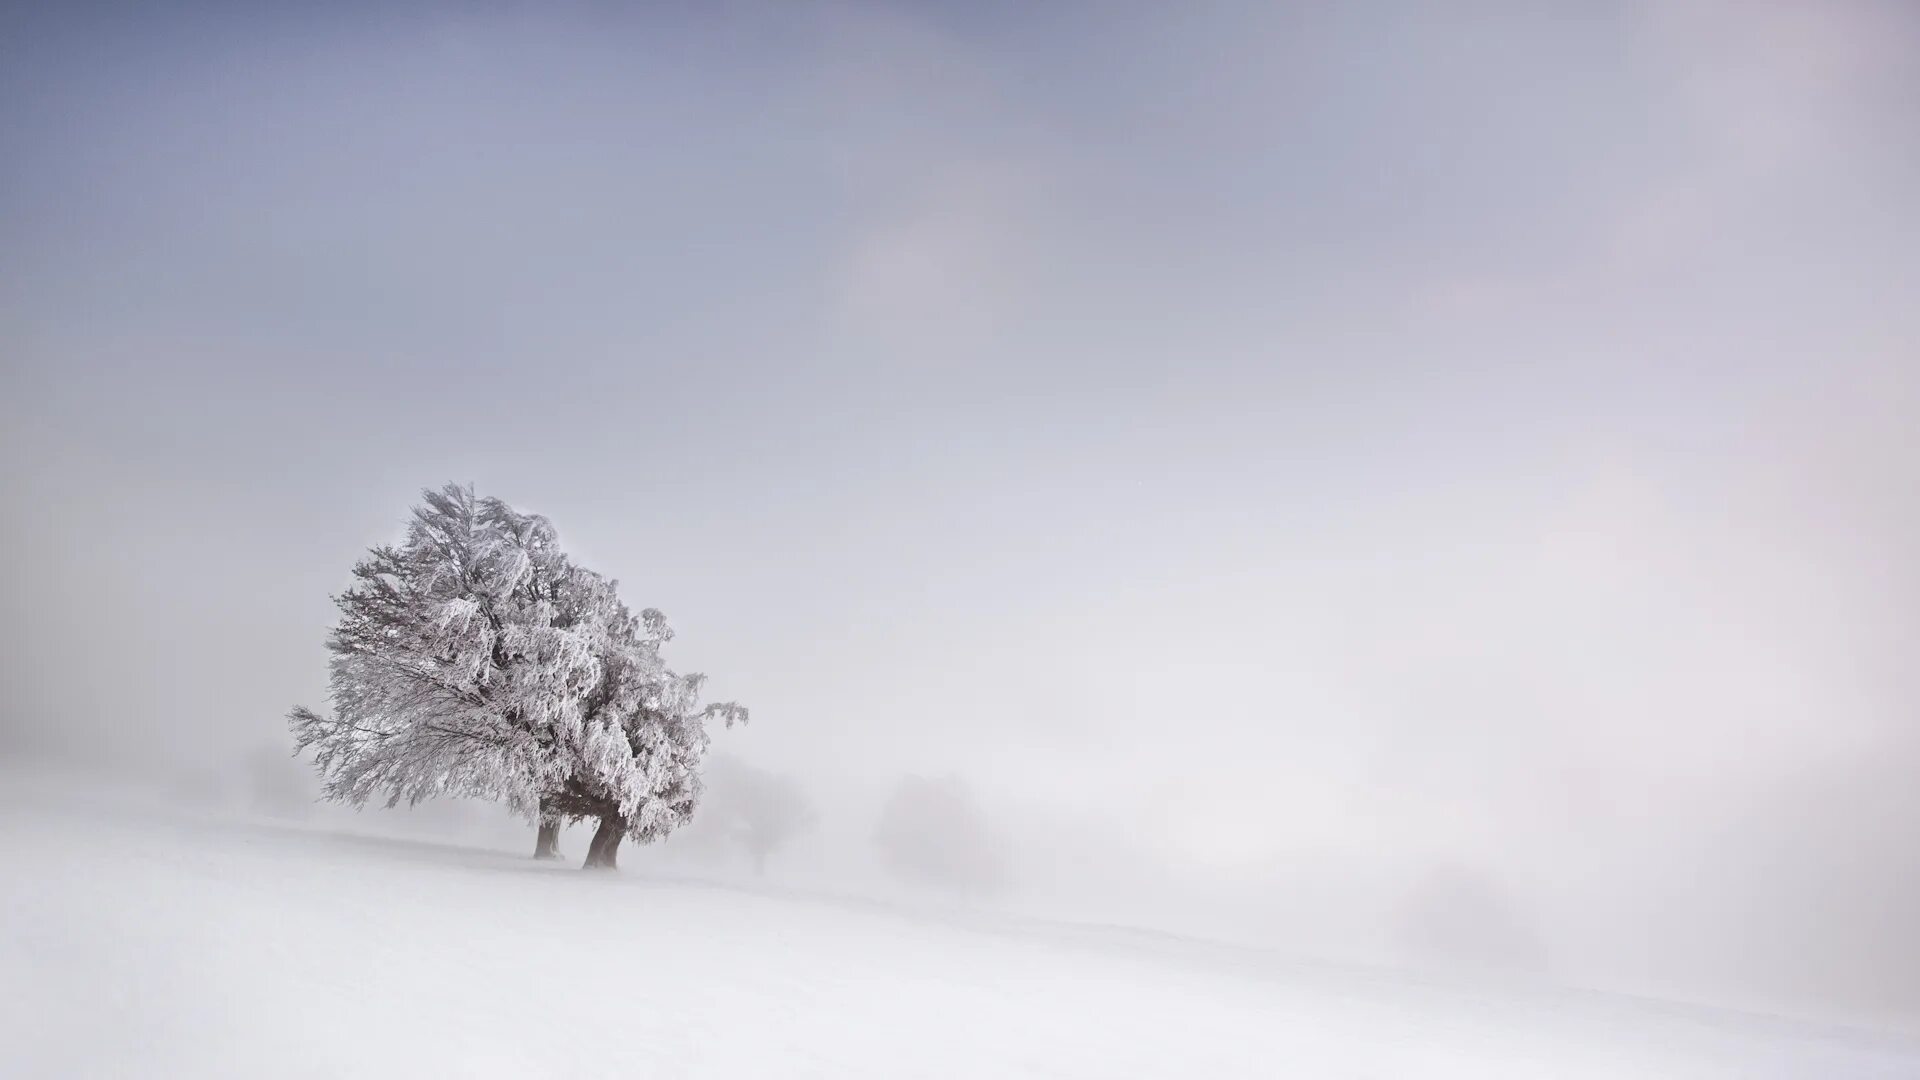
x: 456, y: 668
x: 638, y: 752
x: 757, y: 809
x: 931, y: 833
x: 475, y: 659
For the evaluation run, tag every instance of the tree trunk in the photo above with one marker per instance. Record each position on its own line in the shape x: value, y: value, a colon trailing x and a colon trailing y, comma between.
x: 547, y: 844
x: 604, y: 852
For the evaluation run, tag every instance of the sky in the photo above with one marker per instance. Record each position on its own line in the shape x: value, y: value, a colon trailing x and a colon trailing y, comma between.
x: 1270, y: 452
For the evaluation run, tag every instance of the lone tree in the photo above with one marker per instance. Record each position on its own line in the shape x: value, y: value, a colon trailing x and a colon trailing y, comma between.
x: 931, y: 833
x: 475, y: 659
x: 758, y: 809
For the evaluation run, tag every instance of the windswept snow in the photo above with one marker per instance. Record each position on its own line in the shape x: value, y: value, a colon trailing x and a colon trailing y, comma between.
x: 154, y: 944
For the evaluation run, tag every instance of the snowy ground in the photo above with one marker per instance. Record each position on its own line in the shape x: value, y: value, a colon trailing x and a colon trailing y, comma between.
x: 155, y: 944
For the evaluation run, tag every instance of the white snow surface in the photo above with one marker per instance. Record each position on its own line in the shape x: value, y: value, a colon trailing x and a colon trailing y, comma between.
x: 159, y: 944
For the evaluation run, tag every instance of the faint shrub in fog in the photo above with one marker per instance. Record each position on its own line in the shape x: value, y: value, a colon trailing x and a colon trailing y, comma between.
x: 750, y: 809
x: 931, y: 833
x: 1458, y: 919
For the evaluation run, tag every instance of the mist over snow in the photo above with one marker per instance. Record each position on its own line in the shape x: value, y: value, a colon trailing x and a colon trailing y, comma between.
x: 1423, y: 493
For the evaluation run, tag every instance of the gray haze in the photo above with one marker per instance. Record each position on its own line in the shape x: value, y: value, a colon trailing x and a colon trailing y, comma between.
x: 1280, y: 459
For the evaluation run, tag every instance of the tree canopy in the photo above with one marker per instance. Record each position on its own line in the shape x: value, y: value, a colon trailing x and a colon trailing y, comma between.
x: 476, y: 659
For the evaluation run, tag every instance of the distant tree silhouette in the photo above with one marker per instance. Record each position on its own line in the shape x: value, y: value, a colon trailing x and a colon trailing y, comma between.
x: 758, y: 810
x: 1457, y: 919
x: 931, y: 833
